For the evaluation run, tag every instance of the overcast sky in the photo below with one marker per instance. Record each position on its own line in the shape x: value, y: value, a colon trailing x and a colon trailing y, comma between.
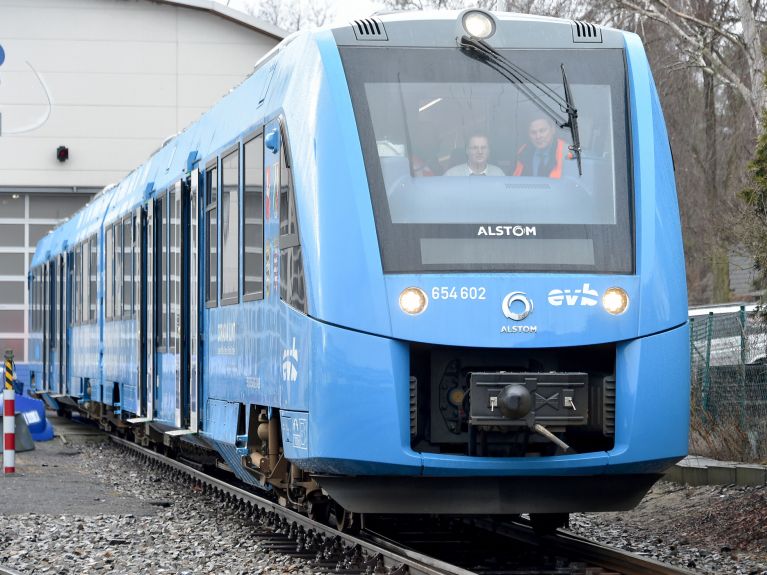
x: 344, y: 9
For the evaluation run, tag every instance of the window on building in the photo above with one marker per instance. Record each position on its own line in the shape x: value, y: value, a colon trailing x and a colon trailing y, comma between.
x: 211, y: 236
x: 253, y: 207
x: 12, y: 206
x: 12, y: 264
x: 12, y: 235
x: 54, y: 207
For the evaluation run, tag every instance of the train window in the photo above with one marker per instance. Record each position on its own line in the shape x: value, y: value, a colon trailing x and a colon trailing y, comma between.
x: 161, y: 329
x: 429, y: 118
x: 174, y: 198
x: 84, y: 262
x: 127, y: 267
x: 292, y: 281
x: 137, y: 266
x: 118, y: 269
x: 52, y: 296
x: 253, y: 208
x: 230, y: 220
x: 211, y: 236
x: 109, y: 273
x: 76, y: 262
x: 93, y: 270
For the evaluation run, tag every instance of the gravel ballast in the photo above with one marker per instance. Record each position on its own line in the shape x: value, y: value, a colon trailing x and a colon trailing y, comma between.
x: 136, y: 521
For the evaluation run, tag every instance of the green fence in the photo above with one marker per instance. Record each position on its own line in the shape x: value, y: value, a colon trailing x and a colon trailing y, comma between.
x: 728, y: 347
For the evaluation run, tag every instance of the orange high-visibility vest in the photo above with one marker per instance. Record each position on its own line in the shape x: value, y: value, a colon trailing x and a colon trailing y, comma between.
x: 559, y: 155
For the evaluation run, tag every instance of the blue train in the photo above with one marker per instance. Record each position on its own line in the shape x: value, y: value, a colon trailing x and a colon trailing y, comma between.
x: 309, y: 287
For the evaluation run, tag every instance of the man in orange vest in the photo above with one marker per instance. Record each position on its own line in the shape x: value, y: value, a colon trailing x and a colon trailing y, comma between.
x: 544, y: 155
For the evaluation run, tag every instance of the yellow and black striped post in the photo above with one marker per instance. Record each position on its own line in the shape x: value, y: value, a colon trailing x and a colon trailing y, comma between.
x: 9, y: 369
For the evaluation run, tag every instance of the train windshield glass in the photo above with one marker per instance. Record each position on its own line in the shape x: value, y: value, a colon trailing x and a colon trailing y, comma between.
x: 432, y: 120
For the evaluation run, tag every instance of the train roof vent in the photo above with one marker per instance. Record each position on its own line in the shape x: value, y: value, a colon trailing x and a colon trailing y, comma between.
x: 583, y: 32
x: 369, y: 29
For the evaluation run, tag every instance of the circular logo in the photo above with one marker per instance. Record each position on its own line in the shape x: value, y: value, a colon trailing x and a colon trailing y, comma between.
x: 2, y: 55
x: 513, y: 297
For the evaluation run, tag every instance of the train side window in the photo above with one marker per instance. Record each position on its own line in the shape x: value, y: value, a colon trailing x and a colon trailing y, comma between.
x: 174, y: 253
x: 162, y: 230
x: 109, y: 273
x: 82, y: 276
x: 93, y: 270
x: 127, y: 267
x: 118, y: 231
x: 292, y: 281
x: 230, y: 220
x: 253, y: 228
x: 78, y: 311
x: 75, y: 258
x: 211, y: 236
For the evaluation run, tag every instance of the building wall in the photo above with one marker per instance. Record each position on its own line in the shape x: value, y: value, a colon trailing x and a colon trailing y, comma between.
x: 110, y: 80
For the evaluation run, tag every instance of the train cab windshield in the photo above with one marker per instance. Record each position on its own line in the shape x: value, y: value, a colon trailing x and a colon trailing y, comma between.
x: 467, y: 172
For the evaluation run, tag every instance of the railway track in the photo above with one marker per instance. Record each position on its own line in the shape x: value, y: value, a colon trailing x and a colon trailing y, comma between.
x: 390, y: 546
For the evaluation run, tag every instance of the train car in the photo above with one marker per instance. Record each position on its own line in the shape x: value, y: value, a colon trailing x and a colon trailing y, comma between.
x: 309, y: 288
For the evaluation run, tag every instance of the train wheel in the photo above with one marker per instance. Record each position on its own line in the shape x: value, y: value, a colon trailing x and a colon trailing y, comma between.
x: 319, y: 510
x: 548, y: 523
x: 346, y: 521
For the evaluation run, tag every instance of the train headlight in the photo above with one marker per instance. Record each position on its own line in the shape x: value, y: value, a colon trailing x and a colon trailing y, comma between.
x: 478, y: 24
x: 413, y: 300
x: 615, y: 300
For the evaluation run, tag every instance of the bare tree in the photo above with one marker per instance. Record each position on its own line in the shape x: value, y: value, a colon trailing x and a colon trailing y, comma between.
x: 294, y: 14
x: 710, y: 34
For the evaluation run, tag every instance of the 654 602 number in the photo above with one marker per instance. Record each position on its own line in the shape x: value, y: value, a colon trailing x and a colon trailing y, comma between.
x: 455, y: 292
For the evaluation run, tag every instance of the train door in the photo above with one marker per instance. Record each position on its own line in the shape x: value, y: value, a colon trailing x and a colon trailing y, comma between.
x: 190, y: 316
x: 176, y: 345
x: 44, y: 314
x: 66, y: 315
x: 141, y: 300
x: 184, y: 267
x: 51, y: 331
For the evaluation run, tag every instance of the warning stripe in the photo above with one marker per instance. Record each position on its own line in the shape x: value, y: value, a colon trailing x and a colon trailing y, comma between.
x: 10, y: 442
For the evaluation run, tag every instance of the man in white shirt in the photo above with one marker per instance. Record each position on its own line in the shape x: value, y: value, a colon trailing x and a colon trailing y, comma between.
x: 477, y: 153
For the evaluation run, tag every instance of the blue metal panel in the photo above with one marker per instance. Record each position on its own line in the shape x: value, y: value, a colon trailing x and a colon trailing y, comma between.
x: 120, y: 361
x: 165, y: 398
x: 221, y: 420
x: 332, y: 195
x: 295, y: 434
x: 653, y: 395
x: 660, y: 257
x: 86, y: 357
x: 467, y: 310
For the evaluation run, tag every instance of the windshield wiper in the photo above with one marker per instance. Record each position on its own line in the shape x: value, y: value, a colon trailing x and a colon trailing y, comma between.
x: 537, y: 91
x: 572, y: 122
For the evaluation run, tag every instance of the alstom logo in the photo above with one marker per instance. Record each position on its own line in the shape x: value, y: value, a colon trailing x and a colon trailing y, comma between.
x: 584, y: 297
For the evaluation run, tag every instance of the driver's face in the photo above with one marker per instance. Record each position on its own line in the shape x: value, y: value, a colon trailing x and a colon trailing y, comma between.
x: 541, y: 133
x: 478, y: 150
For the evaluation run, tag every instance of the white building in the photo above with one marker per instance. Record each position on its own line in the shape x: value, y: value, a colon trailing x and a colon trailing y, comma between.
x: 105, y: 82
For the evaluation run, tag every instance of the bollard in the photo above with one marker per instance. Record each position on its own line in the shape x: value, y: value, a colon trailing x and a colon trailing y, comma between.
x: 9, y: 376
x: 9, y: 417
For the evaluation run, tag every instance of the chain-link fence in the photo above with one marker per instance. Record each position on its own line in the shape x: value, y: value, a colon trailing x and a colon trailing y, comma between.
x: 728, y: 347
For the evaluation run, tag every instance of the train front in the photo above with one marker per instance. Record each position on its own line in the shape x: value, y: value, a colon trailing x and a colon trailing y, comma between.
x: 532, y: 355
